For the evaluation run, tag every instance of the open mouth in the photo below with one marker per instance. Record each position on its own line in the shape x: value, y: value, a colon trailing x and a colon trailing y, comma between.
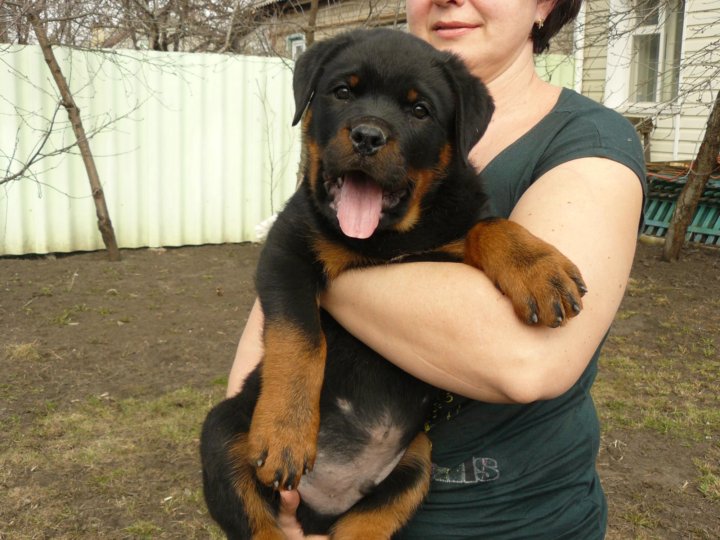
x: 360, y: 202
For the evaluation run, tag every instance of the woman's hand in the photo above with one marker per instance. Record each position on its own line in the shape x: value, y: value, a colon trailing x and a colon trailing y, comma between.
x: 289, y: 501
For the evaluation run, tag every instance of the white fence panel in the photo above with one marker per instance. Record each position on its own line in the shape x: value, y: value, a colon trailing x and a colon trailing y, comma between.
x: 199, y: 148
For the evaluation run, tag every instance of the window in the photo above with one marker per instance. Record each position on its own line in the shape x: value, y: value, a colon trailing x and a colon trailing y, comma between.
x: 296, y: 45
x: 644, y: 49
x: 656, y: 39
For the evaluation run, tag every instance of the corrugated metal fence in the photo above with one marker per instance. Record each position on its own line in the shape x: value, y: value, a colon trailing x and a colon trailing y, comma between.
x: 198, y: 148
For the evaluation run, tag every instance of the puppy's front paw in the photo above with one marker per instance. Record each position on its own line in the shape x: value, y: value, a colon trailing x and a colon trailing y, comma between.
x: 283, y: 444
x: 544, y: 286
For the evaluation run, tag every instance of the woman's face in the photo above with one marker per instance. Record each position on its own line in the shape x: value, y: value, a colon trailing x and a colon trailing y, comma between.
x: 487, y: 34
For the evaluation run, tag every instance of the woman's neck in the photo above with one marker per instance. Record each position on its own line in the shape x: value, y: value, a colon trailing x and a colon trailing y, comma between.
x: 517, y: 85
x: 521, y: 99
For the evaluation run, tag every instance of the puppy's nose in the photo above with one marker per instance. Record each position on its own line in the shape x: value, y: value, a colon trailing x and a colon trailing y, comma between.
x: 367, y: 139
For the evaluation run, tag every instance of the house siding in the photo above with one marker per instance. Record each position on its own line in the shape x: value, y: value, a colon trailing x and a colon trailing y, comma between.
x: 679, y: 129
x: 700, y: 77
x: 595, y: 50
x: 332, y: 19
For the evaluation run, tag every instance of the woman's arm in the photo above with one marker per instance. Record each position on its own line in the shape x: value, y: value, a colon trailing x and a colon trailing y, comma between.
x: 448, y: 325
x: 249, y: 351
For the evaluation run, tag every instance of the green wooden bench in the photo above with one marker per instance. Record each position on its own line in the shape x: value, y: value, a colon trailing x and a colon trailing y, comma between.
x: 663, y: 191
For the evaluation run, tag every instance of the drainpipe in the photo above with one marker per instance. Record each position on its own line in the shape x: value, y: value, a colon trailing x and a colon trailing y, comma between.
x: 676, y: 139
x: 677, y: 118
x: 579, y: 47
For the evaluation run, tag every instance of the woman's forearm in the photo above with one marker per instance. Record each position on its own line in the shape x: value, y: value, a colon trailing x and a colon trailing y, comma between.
x: 444, y: 323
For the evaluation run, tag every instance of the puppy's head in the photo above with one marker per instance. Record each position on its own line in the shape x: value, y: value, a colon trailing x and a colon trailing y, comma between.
x: 386, y: 118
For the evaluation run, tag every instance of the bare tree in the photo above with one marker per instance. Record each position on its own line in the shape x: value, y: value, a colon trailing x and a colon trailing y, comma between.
x: 160, y: 25
x: 312, y: 22
x: 164, y: 25
x: 104, y: 222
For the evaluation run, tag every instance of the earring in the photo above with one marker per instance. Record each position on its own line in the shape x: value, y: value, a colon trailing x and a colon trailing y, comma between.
x: 539, y: 23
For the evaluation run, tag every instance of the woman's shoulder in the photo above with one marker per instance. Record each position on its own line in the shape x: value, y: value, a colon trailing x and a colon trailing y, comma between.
x: 582, y: 111
x: 581, y: 127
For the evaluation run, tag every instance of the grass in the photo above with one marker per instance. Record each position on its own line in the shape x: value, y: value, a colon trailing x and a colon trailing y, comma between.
x: 66, y: 316
x: 671, y: 384
x: 661, y: 377
x: 23, y: 352
x: 709, y: 468
x: 659, y: 395
x: 111, y: 445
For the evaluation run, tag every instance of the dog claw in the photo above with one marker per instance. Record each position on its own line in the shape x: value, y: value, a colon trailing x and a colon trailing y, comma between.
x: 532, y: 304
x: 581, y: 286
x: 261, y: 459
x: 278, y: 481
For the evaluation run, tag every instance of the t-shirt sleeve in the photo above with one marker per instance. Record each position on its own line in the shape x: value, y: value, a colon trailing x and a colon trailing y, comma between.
x: 604, y: 133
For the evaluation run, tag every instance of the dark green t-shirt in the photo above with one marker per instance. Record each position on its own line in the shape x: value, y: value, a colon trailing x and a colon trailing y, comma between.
x: 527, y: 471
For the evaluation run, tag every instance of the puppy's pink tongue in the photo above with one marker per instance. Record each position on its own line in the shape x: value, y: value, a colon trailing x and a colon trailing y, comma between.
x: 359, y: 206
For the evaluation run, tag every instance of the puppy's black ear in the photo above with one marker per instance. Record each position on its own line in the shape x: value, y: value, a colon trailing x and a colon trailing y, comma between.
x: 309, y: 68
x: 473, y: 105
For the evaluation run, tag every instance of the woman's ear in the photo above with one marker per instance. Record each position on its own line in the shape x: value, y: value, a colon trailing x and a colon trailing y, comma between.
x: 544, y: 8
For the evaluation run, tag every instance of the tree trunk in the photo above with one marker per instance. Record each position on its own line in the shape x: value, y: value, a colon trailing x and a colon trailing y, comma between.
x: 309, y: 40
x: 104, y: 223
x: 312, y: 22
x: 698, y: 177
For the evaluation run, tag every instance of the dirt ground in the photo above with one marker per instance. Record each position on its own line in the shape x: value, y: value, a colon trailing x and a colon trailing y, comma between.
x: 107, y: 370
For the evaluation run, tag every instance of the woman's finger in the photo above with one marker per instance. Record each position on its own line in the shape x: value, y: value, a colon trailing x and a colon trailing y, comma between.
x: 289, y: 501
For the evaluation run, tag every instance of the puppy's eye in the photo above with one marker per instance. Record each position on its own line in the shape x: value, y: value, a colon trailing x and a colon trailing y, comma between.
x: 342, y: 92
x: 420, y: 110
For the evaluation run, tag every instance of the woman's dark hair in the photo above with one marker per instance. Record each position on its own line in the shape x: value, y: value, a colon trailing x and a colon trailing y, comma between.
x: 563, y: 12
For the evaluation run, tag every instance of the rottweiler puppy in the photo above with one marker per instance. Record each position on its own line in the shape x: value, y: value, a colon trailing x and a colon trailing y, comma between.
x: 388, y: 122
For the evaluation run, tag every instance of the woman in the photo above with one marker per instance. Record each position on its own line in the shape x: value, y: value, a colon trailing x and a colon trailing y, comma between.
x: 515, y: 443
